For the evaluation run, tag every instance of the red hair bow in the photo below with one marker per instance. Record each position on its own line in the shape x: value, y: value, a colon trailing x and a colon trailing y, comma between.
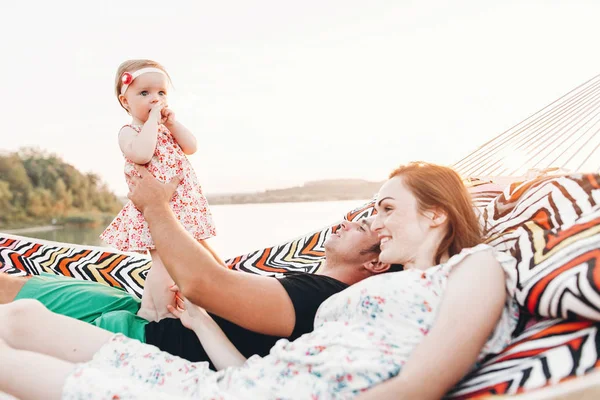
x: 126, y: 78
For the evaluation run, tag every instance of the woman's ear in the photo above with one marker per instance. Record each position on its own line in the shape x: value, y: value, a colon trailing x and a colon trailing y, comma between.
x: 437, y: 216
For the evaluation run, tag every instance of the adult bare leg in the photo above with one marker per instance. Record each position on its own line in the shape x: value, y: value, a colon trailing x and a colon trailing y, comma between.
x: 28, y: 325
x: 27, y: 375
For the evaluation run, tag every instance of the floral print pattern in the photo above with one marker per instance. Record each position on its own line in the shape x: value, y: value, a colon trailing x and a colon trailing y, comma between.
x: 363, y: 336
x: 129, y: 230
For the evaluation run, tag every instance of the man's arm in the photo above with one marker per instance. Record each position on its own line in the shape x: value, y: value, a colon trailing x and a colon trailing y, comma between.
x: 254, y: 302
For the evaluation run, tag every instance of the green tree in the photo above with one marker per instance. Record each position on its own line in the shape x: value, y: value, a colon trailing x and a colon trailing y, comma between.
x: 40, y: 204
x: 5, y: 202
x: 36, y: 187
x: 63, y: 200
x: 14, y: 173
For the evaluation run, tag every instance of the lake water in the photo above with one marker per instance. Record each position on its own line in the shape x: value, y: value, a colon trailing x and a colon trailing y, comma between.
x: 241, y: 228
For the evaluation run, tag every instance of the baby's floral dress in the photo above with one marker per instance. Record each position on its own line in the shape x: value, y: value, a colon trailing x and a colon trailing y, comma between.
x: 363, y: 336
x: 129, y: 230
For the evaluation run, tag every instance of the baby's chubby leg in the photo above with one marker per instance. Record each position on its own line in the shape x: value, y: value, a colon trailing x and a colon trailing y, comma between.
x: 157, y: 293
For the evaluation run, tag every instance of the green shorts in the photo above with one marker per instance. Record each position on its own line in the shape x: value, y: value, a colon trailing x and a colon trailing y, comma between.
x: 101, y: 305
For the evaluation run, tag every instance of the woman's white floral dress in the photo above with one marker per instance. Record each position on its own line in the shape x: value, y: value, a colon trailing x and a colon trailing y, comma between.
x: 129, y: 230
x: 363, y: 336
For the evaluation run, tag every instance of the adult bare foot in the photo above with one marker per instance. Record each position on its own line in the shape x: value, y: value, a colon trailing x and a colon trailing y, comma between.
x: 10, y: 286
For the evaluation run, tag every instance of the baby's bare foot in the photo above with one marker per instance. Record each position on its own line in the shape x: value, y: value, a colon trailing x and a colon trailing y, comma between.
x: 163, y: 315
x: 148, y: 313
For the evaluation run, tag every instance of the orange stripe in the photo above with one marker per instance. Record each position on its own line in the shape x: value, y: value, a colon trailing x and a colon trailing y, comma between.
x: 14, y: 258
x: 542, y: 218
x: 593, y: 181
x: 575, y: 344
x: 7, y: 242
x: 261, y: 262
x: 30, y: 252
x: 350, y: 216
x: 234, y: 262
x: 105, y: 272
x: 105, y: 255
x: 563, y: 327
x: 498, y: 388
x: 311, y: 245
x: 63, y: 265
x: 538, y: 289
x: 524, y: 354
x: 555, y: 239
x: 519, y: 191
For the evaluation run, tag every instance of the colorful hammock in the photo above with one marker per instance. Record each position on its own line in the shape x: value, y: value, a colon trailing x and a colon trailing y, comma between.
x: 551, y: 225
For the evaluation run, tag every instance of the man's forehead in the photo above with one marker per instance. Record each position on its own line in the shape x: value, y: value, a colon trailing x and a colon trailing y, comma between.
x: 367, y: 221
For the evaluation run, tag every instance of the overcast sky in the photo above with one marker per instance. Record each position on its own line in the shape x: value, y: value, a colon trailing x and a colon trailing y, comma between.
x: 279, y: 92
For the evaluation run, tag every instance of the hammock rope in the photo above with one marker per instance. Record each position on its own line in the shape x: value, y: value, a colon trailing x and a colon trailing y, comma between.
x: 552, y: 122
x: 563, y: 136
x: 488, y: 146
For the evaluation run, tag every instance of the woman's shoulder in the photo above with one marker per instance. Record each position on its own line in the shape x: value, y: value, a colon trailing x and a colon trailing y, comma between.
x: 482, y: 256
x: 483, y: 252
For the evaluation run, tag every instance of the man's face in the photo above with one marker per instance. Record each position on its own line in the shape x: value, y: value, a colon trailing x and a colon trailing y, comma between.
x: 353, y: 241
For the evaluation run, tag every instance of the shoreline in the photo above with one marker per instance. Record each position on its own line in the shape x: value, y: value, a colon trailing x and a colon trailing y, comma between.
x: 44, y: 228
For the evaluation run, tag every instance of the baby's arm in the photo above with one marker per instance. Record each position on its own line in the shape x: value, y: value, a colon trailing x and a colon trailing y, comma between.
x: 219, y: 348
x: 139, y: 147
x: 182, y: 135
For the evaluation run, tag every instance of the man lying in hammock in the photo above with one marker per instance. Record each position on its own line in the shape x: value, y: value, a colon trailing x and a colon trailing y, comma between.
x: 254, y: 311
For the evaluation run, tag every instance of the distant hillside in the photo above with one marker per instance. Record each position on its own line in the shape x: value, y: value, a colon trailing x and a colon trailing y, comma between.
x: 37, y: 188
x: 323, y: 190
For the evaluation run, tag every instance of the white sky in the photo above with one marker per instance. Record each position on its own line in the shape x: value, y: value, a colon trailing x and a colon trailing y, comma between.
x: 279, y: 92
